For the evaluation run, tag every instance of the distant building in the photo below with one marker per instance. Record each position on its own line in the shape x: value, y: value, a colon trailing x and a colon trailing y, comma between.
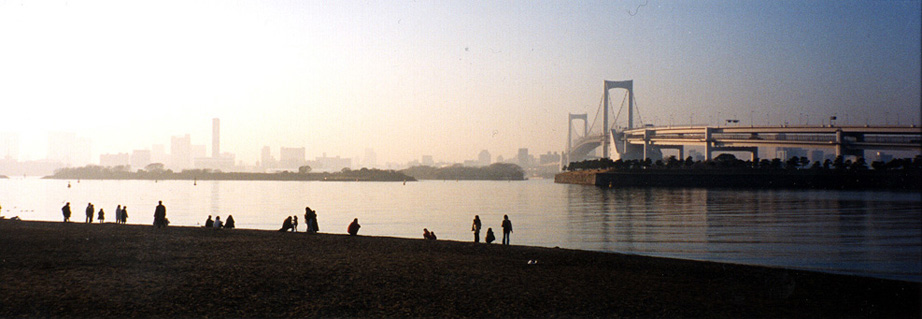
x: 180, y: 152
x: 484, y: 158
x: 523, y: 159
x: 216, y: 138
x: 785, y: 153
x: 291, y: 157
x: 198, y: 151
x: 816, y: 156
x: 371, y: 158
x: 883, y: 157
x: 224, y: 162
x: 9, y: 146
x: 67, y: 148
x: 330, y: 164
x: 113, y: 160
x: 266, y: 160
x: 549, y: 158
x: 140, y: 159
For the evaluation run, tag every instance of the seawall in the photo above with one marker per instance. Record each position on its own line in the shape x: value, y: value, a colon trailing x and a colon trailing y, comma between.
x: 745, y: 178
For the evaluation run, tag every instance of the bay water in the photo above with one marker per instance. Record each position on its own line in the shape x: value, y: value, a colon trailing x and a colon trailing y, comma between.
x: 866, y: 233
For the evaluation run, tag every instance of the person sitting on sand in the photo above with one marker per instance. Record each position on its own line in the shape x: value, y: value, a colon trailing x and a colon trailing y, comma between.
x: 217, y: 222
x: 209, y: 223
x: 102, y: 216
x: 489, y: 238
x: 426, y: 234
x: 229, y: 223
x: 432, y: 235
x: 286, y: 225
x: 66, y: 212
x: 353, y: 228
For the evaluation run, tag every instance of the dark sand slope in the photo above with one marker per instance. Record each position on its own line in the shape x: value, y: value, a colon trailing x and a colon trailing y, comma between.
x: 55, y: 269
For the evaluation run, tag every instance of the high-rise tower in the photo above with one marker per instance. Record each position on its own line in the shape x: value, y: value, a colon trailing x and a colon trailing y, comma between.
x: 215, y: 138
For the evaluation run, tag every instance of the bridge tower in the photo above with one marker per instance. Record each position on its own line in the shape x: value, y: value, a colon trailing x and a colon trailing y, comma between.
x: 585, y: 118
x: 629, y: 86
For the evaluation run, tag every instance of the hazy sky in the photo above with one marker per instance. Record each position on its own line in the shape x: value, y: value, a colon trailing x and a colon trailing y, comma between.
x: 441, y: 78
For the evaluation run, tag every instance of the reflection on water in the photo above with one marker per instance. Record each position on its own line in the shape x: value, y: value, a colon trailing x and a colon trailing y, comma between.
x: 859, y: 232
x: 871, y: 233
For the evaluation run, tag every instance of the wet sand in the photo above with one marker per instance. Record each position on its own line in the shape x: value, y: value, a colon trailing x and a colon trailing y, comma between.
x: 78, y: 270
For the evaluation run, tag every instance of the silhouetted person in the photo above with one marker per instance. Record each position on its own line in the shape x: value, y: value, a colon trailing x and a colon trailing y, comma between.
x: 208, y: 222
x: 66, y: 212
x: 217, y: 222
x: 286, y: 225
x: 507, y: 229
x: 229, y: 223
x: 124, y: 214
x: 310, y: 220
x: 353, y: 228
x: 426, y: 234
x: 102, y: 216
x: 432, y: 235
x: 476, y: 228
x: 89, y: 212
x: 160, y: 215
x: 489, y: 238
x: 118, y: 214
x: 294, y: 224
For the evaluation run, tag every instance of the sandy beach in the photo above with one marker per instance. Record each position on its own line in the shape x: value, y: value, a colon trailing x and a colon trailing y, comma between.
x: 77, y: 270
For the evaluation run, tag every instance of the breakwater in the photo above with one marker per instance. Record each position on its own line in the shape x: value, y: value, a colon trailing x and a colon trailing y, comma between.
x: 745, y: 178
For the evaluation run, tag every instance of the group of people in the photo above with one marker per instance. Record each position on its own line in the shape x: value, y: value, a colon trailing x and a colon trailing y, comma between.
x: 489, y: 238
x: 218, y: 224
x: 310, y: 221
x: 429, y: 235
x: 121, y: 213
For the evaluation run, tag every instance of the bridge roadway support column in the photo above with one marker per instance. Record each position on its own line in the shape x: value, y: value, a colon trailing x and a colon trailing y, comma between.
x: 708, y: 143
x: 585, y: 118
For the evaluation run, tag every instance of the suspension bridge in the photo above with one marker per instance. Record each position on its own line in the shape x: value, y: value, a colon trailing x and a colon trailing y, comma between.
x: 649, y: 141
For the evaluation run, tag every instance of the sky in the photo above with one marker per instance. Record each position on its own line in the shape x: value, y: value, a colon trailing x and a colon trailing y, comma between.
x: 440, y: 78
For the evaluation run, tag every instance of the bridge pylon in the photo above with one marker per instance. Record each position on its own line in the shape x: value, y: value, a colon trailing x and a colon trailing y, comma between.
x: 629, y: 86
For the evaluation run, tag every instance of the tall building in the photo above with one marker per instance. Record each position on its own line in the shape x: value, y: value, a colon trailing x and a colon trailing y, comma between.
x: 266, y: 159
x: 484, y: 158
x: 9, y: 146
x: 215, y: 137
x: 181, y: 152
x: 66, y: 148
x: 291, y: 157
x: 140, y: 159
x: 371, y: 158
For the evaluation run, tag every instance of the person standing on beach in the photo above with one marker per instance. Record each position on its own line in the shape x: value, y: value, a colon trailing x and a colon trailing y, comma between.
x: 294, y: 224
x: 102, y: 216
x: 89, y: 213
x: 310, y: 219
x: 124, y: 214
x: 507, y: 229
x: 118, y: 214
x: 489, y: 238
x: 353, y: 228
x: 66, y: 212
x: 476, y: 228
x: 160, y: 215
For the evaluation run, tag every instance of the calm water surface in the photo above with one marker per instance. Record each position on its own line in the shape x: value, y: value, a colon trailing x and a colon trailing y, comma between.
x: 869, y: 233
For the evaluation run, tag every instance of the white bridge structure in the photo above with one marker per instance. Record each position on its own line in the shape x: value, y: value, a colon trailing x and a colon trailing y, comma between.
x: 649, y: 141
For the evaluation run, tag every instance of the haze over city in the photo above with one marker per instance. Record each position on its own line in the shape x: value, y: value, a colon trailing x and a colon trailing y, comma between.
x: 446, y: 79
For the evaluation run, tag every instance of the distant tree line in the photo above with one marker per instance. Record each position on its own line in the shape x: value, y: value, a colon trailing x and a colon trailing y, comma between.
x: 156, y: 171
x: 496, y: 171
x: 724, y: 161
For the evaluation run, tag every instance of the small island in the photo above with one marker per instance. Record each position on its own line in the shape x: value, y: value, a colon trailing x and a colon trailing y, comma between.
x: 157, y: 172
x: 493, y: 172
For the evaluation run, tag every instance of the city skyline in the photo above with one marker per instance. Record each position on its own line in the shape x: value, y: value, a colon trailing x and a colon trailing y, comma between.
x: 408, y: 79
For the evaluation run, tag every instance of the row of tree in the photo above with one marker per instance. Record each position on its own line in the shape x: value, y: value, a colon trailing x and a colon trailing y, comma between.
x: 730, y: 161
x: 157, y: 172
x: 496, y: 171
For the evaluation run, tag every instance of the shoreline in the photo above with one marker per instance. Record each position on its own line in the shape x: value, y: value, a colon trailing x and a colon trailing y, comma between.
x: 109, y: 270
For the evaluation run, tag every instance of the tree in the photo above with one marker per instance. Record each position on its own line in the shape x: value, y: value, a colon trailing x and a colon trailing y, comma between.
x: 154, y: 167
x: 304, y: 169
